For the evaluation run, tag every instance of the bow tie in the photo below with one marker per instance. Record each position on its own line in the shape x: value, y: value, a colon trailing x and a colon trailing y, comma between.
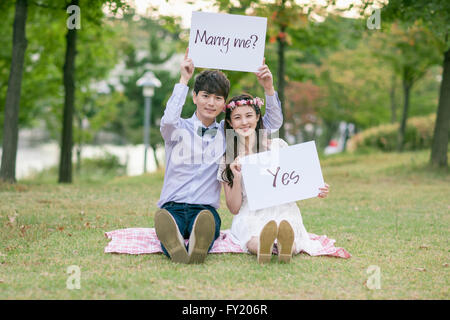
x: 202, y: 131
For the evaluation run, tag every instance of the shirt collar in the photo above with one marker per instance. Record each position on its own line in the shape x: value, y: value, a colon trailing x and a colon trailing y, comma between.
x: 198, y: 123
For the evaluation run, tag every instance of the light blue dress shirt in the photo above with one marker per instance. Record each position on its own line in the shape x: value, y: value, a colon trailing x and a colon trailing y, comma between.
x: 192, y: 161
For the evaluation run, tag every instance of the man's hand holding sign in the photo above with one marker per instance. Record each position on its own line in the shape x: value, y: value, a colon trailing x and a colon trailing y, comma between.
x: 186, y: 69
x: 265, y: 78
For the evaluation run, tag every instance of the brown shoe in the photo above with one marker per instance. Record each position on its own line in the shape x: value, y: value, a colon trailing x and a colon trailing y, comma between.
x: 201, y: 237
x: 266, y: 240
x: 285, y: 241
x: 170, y: 236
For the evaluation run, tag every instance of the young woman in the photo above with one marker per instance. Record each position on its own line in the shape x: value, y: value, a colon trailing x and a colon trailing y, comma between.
x: 256, y: 231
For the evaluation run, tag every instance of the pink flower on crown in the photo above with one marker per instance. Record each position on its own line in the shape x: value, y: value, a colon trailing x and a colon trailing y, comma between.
x: 256, y: 101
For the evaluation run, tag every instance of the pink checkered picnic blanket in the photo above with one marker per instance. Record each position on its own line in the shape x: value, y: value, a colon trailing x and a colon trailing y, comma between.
x: 145, y: 240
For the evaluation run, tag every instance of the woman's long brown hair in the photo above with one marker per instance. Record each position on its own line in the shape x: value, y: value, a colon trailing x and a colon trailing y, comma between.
x: 231, y: 150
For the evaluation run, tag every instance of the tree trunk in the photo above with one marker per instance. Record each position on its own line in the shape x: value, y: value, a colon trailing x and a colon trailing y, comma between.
x: 281, y: 82
x: 65, y: 164
x: 439, y: 147
x: 12, y: 103
x: 154, y: 156
x: 401, y: 133
x: 392, y: 97
x: 79, y: 144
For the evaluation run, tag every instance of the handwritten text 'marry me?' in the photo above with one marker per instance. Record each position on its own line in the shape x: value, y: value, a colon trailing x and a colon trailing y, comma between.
x: 223, y: 42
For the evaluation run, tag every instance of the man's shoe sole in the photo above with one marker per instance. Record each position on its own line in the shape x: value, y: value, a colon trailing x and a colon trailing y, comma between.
x: 169, y: 235
x: 202, y: 236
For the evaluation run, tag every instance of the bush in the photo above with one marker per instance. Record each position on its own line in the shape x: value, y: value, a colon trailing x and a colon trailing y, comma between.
x: 96, y: 169
x: 418, y: 135
x: 108, y: 164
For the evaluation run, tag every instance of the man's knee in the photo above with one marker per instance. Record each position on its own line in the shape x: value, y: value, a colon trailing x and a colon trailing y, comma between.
x: 218, y: 223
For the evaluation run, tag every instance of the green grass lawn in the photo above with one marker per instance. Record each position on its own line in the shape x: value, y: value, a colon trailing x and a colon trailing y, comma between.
x: 387, y: 210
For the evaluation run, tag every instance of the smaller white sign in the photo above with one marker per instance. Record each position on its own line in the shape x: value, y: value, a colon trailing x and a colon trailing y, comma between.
x: 280, y: 176
x: 227, y: 41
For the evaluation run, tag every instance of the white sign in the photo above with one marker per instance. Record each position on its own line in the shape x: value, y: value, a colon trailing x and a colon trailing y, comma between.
x: 227, y: 41
x: 280, y: 176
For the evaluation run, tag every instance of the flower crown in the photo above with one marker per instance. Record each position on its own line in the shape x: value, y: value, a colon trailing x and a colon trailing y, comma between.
x: 233, y: 104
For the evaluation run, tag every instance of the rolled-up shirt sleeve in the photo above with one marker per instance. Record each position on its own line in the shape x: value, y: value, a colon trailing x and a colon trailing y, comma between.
x: 171, y: 118
x: 273, y: 118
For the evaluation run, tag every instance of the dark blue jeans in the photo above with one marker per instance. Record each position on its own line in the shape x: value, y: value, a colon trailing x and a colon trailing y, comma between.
x: 185, y: 214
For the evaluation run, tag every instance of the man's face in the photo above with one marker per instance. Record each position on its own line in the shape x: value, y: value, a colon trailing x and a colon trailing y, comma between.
x: 209, y: 106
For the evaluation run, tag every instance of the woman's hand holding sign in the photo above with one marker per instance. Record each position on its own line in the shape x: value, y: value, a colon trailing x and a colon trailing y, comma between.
x: 235, y: 167
x: 234, y: 194
x: 187, y: 68
x: 324, y: 191
x: 265, y: 78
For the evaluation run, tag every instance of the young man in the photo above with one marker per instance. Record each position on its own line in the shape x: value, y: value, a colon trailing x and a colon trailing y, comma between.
x: 191, y: 192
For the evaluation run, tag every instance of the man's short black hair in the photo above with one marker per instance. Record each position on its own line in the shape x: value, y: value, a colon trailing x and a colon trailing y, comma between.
x: 212, y: 81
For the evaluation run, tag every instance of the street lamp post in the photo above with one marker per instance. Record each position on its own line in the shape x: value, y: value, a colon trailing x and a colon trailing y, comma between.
x: 148, y: 81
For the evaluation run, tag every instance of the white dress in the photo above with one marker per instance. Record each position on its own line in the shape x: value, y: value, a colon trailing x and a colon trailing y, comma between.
x: 249, y: 223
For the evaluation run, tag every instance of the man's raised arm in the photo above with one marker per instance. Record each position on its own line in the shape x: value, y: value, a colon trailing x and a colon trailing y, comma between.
x: 172, y: 113
x: 273, y: 118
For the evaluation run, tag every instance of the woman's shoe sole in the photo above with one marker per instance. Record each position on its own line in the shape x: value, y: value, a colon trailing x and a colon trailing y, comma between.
x: 265, y: 243
x: 285, y: 241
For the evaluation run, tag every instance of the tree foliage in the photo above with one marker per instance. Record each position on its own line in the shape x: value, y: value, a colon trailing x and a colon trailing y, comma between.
x: 435, y: 16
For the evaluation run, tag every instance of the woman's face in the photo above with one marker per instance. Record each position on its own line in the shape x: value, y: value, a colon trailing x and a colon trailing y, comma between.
x: 244, y: 120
